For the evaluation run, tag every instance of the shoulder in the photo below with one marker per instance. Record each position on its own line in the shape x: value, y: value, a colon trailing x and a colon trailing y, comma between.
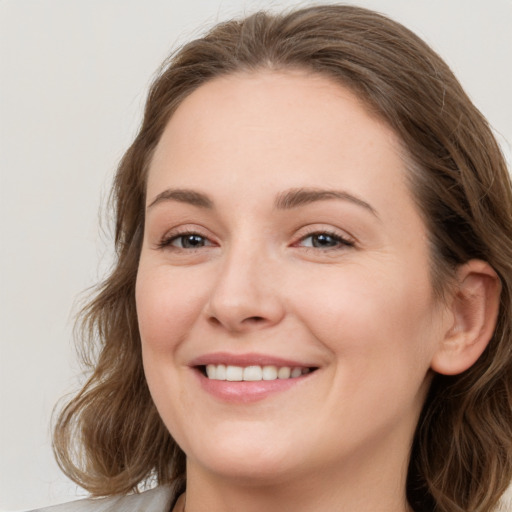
x: 155, y: 500
x: 506, y: 501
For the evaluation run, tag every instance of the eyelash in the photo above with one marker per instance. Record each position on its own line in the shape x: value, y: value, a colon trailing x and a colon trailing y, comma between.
x: 167, y: 240
x: 339, y: 241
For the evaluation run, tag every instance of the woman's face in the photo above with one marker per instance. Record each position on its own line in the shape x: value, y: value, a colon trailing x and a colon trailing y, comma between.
x: 281, y: 240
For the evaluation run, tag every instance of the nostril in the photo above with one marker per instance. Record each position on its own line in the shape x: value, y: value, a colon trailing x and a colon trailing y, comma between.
x: 255, y: 319
x: 249, y: 320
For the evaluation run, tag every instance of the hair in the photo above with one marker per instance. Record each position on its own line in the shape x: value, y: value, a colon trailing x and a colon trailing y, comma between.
x: 110, y: 439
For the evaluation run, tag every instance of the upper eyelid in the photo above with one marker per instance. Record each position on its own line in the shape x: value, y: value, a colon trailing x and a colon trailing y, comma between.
x: 315, y: 229
x: 325, y: 232
x: 188, y: 229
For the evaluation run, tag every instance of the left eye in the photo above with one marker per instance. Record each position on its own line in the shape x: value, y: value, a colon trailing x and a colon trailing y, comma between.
x: 324, y: 241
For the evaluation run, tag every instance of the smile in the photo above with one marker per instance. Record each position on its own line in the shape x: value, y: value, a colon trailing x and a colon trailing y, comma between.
x: 253, y: 373
x: 249, y: 377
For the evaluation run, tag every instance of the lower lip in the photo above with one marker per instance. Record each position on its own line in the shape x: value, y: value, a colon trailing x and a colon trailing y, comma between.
x: 247, y: 391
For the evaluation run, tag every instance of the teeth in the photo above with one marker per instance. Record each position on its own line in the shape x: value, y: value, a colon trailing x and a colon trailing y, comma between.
x: 253, y: 373
x: 284, y: 372
x: 296, y: 372
x: 234, y: 373
x: 211, y: 371
x: 220, y: 372
x: 270, y: 373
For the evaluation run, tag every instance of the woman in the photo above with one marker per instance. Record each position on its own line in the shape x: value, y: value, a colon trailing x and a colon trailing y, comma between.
x: 311, y: 304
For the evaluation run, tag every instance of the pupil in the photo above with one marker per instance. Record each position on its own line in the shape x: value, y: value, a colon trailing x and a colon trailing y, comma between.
x: 323, y: 240
x: 193, y: 241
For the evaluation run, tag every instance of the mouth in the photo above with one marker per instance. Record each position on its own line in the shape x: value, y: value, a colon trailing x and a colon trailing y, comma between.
x: 251, y: 377
x: 252, y: 373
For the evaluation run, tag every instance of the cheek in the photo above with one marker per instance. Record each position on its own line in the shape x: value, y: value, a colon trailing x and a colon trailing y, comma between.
x: 372, y: 316
x: 167, y: 305
x: 380, y: 332
x: 166, y: 309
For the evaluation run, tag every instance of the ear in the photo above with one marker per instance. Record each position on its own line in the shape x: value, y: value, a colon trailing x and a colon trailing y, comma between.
x: 474, y: 310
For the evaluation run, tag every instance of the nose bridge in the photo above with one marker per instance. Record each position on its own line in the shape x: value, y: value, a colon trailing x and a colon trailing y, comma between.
x: 244, y: 295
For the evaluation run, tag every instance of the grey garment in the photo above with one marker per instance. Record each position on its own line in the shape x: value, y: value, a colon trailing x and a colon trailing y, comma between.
x: 159, y: 499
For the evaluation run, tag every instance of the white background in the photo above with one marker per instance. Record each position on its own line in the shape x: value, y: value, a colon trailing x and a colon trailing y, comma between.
x: 73, y: 76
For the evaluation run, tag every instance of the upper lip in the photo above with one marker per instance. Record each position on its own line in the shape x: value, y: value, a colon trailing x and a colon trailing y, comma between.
x: 248, y: 359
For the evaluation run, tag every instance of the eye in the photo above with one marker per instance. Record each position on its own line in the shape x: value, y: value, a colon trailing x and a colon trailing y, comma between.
x: 186, y: 241
x: 325, y: 240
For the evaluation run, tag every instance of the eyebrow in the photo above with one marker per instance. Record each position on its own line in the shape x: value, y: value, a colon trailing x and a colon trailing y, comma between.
x: 302, y: 196
x: 183, y: 196
x: 284, y: 201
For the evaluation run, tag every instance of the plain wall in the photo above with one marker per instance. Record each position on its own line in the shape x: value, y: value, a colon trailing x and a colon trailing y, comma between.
x: 73, y: 76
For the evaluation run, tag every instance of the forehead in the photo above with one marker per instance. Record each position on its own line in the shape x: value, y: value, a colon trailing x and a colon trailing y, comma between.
x: 285, y: 129
x: 291, y: 101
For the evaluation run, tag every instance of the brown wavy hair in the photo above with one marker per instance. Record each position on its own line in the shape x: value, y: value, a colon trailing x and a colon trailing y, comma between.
x: 110, y: 439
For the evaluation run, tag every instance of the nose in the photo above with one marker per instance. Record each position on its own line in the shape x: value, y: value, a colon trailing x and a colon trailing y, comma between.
x: 246, y: 295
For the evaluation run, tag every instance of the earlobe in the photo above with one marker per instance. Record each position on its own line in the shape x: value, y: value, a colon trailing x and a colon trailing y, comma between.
x: 474, y: 309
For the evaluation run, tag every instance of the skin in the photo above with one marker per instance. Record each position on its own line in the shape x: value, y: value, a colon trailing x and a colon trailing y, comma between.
x: 361, y: 311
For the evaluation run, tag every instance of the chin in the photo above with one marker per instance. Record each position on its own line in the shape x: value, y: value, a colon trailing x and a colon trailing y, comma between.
x: 247, y: 459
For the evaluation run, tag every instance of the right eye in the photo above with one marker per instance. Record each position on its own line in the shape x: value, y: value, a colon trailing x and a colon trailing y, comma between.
x: 186, y: 241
